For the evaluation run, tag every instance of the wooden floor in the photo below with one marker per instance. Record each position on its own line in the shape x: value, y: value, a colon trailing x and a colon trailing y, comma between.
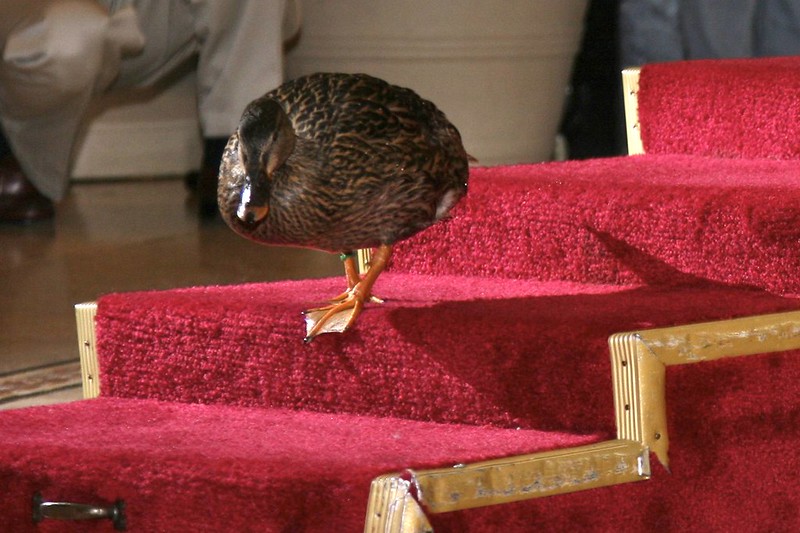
x: 111, y: 237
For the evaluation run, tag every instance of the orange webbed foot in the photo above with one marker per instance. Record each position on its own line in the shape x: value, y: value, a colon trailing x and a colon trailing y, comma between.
x: 334, y: 318
x: 344, y: 309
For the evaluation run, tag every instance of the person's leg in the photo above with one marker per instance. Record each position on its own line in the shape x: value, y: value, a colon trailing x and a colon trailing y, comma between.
x: 714, y: 29
x: 649, y: 31
x: 52, y: 64
x: 241, y: 58
x: 778, y: 28
x: 238, y: 44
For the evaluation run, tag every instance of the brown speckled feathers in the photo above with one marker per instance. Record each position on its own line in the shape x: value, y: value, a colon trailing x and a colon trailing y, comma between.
x: 371, y: 163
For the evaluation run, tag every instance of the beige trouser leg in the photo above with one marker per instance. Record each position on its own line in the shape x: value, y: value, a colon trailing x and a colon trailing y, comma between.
x: 57, y: 54
x: 239, y: 44
x: 55, y: 57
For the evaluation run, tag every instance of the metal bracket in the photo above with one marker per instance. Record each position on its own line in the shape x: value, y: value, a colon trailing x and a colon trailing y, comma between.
x: 79, y: 511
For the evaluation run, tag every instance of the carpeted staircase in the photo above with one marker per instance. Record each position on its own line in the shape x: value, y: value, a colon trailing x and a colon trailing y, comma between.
x: 213, y: 415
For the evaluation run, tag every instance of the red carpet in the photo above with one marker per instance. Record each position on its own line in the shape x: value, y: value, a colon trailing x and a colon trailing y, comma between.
x: 492, y: 342
x: 746, y: 108
x: 602, y: 220
x: 444, y: 349
x: 200, y: 468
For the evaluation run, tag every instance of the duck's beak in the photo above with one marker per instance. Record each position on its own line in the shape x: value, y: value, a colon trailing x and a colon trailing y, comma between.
x: 250, y: 213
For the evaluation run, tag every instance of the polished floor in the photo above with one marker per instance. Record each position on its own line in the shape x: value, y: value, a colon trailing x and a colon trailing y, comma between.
x: 111, y: 237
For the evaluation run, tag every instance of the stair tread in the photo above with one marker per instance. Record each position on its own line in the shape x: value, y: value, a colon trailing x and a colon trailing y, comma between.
x: 166, y: 455
x: 621, y: 220
x: 447, y: 349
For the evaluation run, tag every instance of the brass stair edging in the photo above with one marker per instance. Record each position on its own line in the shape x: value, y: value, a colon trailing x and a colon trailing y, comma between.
x: 630, y: 90
x: 506, y: 480
x: 392, y: 507
x: 363, y: 256
x: 87, y: 348
x: 522, y: 477
x: 639, y: 361
x: 639, y: 394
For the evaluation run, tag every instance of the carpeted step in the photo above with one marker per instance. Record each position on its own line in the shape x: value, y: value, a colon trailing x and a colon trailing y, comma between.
x: 602, y: 220
x: 739, y: 108
x: 483, y: 351
x: 182, y: 467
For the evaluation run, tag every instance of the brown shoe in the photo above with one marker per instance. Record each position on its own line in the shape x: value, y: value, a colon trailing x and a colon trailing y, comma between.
x: 20, y: 201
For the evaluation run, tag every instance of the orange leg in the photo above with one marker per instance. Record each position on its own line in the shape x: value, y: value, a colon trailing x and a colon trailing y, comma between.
x: 345, y: 308
x: 350, y: 273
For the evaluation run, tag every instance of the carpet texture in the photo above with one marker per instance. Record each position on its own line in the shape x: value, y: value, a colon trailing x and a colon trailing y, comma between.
x: 444, y: 349
x: 576, y: 251
x: 217, y: 468
x: 645, y: 219
x: 745, y: 108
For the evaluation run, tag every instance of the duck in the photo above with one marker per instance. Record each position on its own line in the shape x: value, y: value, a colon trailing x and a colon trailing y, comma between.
x: 340, y: 162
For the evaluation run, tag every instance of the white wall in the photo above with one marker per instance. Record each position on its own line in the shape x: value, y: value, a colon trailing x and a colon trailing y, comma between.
x: 142, y: 134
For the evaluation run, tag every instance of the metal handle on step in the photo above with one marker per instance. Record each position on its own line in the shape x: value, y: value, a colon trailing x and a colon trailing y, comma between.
x: 79, y: 511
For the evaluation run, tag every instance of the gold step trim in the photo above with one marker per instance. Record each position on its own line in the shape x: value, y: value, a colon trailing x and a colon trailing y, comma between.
x: 504, y: 480
x: 363, y: 257
x: 630, y: 91
x: 522, y: 477
x: 87, y: 347
x: 392, y: 508
x: 639, y: 361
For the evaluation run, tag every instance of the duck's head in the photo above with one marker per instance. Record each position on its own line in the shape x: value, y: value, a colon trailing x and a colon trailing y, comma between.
x: 266, y: 139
